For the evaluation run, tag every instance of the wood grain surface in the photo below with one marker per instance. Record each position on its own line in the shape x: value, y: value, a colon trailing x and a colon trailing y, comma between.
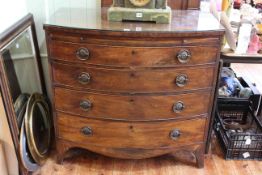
x: 132, y: 107
x: 133, y: 39
x: 125, y: 153
x: 130, y: 135
x: 133, y: 80
x: 180, y: 163
x: 119, y: 56
x: 185, y: 25
x: 174, y: 4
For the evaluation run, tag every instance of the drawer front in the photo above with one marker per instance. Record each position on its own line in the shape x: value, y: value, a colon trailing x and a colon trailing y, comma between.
x: 109, y: 133
x: 133, y: 107
x: 119, y: 56
x: 143, y: 81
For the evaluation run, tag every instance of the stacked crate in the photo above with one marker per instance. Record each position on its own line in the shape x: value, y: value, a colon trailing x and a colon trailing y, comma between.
x: 237, y: 126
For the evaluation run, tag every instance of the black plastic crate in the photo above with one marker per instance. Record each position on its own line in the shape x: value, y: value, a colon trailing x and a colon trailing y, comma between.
x: 237, y: 143
x: 255, y: 98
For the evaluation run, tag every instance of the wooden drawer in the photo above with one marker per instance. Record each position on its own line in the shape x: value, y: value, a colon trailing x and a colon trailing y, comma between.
x: 142, y: 81
x: 119, y: 56
x: 116, y: 134
x: 132, y: 107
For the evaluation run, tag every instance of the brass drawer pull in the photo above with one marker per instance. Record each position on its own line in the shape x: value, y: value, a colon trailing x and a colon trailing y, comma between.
x: 85, y: 105
x: 181, y: 80
x: 175, y: 134
x: 84, y: 78
x: 183, y: 56
x: 87, y: 131
x: 82, y: 53
x: 178, y: 107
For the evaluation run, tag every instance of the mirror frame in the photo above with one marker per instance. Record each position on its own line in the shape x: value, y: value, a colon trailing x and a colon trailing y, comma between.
x: 6, y: 38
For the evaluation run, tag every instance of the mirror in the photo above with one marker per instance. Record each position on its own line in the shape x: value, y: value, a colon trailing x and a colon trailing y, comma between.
x: 21, y: 79
x: 20, y: 65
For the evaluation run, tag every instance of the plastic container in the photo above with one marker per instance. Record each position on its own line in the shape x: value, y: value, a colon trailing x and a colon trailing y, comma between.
x: 238, y: 130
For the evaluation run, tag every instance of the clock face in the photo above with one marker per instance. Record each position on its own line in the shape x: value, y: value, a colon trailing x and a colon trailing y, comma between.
x: 139, y: 3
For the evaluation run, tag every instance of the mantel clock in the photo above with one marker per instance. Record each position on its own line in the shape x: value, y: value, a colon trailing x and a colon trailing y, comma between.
x: 140, y: 10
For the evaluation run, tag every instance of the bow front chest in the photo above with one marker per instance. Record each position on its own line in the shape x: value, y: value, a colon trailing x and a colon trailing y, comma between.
x: 132, y: 90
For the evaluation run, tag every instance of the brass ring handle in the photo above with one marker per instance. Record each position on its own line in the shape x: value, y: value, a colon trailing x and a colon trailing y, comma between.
x: 181, y: 80
x: 87, y: 131
x: 184, y: 56
x: 175, y: 134
x: 85, y: 105
x: 84, y: 78
x: 82, y: 53
x: 178, y: 107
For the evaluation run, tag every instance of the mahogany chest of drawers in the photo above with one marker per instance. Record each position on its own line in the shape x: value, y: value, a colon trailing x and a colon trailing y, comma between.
x: 133, y: 90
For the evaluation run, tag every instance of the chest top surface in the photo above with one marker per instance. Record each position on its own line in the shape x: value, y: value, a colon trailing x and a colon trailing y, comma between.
x: 183, y: 21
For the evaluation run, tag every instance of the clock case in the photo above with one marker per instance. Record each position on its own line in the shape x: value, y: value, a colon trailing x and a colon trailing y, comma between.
x: 129, y: 10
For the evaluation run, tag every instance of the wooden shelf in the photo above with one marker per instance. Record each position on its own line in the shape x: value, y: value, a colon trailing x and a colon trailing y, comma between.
x: 229, y: 56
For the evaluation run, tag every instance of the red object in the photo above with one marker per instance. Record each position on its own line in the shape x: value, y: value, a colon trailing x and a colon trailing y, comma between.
x: 237, y: 4
x: 258, y: 6
x: 254, y: 45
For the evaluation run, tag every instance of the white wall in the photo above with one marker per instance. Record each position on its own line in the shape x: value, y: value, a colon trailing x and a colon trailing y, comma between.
x: 10, y: 12
x: 43, y: 8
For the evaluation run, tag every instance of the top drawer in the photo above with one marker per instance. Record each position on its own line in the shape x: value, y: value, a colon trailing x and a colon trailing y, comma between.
x: 119, y: 56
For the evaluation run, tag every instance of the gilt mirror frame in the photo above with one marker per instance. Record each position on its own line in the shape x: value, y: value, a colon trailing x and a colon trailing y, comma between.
x: 6, y: 38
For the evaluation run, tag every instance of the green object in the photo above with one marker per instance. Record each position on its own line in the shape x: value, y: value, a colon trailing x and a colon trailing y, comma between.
x: 160, y: 16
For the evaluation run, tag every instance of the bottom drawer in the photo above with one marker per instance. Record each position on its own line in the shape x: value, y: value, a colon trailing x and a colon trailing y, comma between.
x: 119, y: 134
